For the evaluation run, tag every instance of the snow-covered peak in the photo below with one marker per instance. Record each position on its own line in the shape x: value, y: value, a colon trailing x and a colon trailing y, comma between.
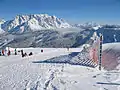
x: 96, y: 27
x: 1, y: 22
x: 95, y: 36
x: 88, y: 25
x: 1, y: 31
x: 35, y: 22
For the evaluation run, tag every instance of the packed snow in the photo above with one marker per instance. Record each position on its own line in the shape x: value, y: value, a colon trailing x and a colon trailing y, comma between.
x: 1, y: 31
x: 17, y: 73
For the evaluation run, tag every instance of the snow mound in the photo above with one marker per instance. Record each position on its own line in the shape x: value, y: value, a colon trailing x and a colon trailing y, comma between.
x: 74, y: 58
x: 111, y: 56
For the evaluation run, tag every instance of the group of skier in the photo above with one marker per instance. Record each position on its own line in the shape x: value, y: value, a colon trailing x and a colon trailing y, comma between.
x: 8, y: 52
x: 5, y: 52
x: 25, y: 54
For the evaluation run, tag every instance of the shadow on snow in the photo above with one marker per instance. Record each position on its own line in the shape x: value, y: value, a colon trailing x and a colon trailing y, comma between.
x: 108, y: 83
x: 65, y: 59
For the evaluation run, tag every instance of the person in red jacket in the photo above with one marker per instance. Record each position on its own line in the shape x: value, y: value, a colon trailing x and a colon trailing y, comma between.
x: 3, y: 53
x: 9, y: 53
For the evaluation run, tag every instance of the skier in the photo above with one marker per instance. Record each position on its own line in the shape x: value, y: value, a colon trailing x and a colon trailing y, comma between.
x: 42, y: 50
x: 3, y: 52
x: 0, y: 53
x: 22, y: 53
x: 30, y: 53
x: 9, y: 52
x: 25, y: 54
x: 15, y: 51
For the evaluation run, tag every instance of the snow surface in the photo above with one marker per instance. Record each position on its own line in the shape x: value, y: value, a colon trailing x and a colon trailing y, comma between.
x: 1, y: 31
x: 17, y: 73
x: 115, y: 46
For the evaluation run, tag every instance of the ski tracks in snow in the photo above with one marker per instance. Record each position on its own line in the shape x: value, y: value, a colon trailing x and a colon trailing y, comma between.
x: 110, y: 81
x: 54, y: 72
x: 47, y: 83
x: 45, y: 80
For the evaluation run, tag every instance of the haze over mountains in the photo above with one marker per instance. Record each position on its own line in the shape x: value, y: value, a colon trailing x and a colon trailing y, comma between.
x: 42, y: 30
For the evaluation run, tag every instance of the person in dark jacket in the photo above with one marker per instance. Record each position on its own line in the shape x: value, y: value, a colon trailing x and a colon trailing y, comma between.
x: 30, y: 53
x: 3, y: 52
x: 0, y: 53
x: 42, y: 50
x: 9, y: 52
x: 15, y: 51
x: 22, y: 53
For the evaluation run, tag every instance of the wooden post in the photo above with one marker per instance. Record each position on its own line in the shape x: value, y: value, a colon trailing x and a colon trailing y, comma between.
x: 100, y: 51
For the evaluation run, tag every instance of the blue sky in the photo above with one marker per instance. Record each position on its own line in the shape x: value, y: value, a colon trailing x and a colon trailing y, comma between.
x: 74, y: 11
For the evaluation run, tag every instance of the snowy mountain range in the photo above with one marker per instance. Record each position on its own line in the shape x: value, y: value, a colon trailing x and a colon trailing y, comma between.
x: 42, y: 30
x: 36, y: 22
x: 26, y: 23
x: 88, y: 25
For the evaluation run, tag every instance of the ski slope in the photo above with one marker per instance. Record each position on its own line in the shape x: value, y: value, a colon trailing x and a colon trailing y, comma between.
x: 17, y: 73
x: 111, y: 55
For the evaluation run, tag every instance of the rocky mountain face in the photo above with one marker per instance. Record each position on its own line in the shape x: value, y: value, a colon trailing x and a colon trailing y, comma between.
x: 35, y: 22
x: 46, y: 39
x: 42, y: 30
x: 1, y: 22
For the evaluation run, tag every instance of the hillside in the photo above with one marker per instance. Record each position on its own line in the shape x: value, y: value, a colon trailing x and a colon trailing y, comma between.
x: 29, y: 73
